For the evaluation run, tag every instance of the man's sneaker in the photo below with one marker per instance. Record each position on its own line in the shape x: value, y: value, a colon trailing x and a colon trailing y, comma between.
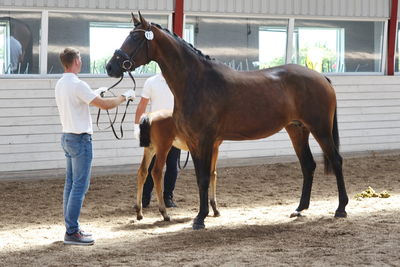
x: 169, y: 202
x: 85, y: 234
x: 78, y: 239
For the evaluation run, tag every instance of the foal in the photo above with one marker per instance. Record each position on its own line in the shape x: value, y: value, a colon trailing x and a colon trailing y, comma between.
x: 157, y: 136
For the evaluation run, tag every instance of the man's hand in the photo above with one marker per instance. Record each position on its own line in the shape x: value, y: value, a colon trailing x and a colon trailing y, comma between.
x: 129, y: 95
x: 136, y: 131
x: 101, y: 90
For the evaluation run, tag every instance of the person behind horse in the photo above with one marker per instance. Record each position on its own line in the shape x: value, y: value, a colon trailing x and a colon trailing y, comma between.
x: 157, y: 92
x: 73, y: 97
x: 16, y: 52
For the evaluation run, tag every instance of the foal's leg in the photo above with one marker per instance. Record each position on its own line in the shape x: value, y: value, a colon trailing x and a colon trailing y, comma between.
x: 326, y: 141
x: 156, y: 173
x: 148, y: 155
x: 213, y: 180
x: 299, y: 136
x: 202, y: 156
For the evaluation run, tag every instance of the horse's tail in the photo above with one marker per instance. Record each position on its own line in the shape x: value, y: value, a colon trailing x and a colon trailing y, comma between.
x: 336, y: 139
x: 144, y: 131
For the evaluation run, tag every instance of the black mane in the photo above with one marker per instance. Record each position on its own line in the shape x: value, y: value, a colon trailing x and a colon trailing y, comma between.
x: 182, y: 41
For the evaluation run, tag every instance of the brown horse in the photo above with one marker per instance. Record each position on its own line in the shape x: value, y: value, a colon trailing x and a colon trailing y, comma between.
x: 214, y: 103
x: 158, y: 135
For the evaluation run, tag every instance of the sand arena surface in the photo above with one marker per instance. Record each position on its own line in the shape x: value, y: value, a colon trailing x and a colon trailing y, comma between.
x: 254, y: 228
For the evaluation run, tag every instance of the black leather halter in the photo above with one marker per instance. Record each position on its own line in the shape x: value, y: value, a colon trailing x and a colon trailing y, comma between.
x: 129, y: 63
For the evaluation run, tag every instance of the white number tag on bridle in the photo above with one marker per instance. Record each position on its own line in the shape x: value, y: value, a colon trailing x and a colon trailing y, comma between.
x: 149, y: 35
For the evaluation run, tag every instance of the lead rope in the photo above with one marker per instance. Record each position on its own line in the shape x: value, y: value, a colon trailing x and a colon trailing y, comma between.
x: 112, y: 122
x: 186, y: 161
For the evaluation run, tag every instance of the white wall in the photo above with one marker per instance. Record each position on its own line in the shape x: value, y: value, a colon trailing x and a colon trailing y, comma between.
x: 108, y: 5
x: 352, y: 9
x: 368, y: 115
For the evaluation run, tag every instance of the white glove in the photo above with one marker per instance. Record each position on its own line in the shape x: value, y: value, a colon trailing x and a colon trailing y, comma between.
x: 100, y: 90
x: 136, y: 131
x: 129, y: 95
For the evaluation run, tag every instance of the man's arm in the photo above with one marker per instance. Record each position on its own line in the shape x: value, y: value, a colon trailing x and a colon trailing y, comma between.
x: 141, y: 108
x: 107, y: 103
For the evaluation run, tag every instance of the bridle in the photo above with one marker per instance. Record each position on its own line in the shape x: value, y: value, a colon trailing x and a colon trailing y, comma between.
x: 128, y: 65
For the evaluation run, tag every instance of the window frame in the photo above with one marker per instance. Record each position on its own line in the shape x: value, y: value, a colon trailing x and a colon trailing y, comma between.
x: 290, y: 32
x: 291, y: 19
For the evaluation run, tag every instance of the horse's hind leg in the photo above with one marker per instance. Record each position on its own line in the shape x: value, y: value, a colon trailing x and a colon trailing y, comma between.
x: 299, y: 135
x: 156, y: 173
x: 148, y: 155
x: 213, y: 180
x: 331, y: 153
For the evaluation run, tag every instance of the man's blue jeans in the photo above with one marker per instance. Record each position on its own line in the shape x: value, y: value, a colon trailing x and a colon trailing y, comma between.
x: 79, y: 154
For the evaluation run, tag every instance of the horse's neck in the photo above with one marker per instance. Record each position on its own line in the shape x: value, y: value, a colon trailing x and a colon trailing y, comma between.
x: 176, y: 62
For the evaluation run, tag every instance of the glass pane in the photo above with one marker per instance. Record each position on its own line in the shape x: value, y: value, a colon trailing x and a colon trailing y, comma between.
x: 3, y: 40
x: 243, y: 44
x: 338, y: 46
x: 95, y: 35
x: 19, y: 42
x: 397, y: 51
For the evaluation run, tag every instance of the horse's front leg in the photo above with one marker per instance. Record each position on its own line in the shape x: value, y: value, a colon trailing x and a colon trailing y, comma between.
x: 156, y: 173
x: 148, y: 155
x: 202, y: 163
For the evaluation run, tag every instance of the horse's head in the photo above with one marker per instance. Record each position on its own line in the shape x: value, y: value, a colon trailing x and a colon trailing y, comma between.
x: 134, y: 52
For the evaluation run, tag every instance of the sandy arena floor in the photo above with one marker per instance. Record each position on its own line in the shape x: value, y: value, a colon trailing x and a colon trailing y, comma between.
x: 254, y: 228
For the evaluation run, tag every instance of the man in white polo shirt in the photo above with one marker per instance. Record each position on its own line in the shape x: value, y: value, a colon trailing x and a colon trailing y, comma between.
x: 73, y: 97
x: 157, y: 92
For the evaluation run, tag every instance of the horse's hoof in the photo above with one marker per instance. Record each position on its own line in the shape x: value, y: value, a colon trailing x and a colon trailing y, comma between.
x: 296, y: 214
x: 198, y: 226
x: 167, y: 218
x: 217, y: 214
x: 340, y: 214
x: 139, y: 217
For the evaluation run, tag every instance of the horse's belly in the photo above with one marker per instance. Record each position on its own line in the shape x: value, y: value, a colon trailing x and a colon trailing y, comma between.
x: 250, y: 134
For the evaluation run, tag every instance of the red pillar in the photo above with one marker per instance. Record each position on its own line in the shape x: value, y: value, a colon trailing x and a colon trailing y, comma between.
x: 177, y: 18
x: 392, y: 38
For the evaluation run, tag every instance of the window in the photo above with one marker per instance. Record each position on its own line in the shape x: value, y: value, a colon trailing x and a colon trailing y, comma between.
x: 104, y: 39
x: 3, y: 46
x: 397, y: 52
x: 95, y: 35
x: 19, y: 42
x: 319, y: 49
x: 272, y: 41
x: 338, y: 46
x: 241, y: 43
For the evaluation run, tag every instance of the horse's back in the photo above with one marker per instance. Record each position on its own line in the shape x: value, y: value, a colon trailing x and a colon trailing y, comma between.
x: 163, y: 130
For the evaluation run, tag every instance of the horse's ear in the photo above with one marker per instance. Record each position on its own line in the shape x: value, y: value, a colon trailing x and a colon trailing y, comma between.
x: 143, y: 21
x: 135, y: 20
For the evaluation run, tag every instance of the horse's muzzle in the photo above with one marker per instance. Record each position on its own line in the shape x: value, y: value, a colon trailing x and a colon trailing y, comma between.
x: 113, y: 71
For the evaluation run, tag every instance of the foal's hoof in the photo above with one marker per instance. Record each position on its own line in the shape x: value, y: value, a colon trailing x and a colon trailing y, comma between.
x: 296, y: 214
x: 217, y: 214
x: 340, y: 214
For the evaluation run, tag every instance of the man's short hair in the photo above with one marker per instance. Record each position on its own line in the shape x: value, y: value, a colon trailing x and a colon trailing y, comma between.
x: 68, y: 56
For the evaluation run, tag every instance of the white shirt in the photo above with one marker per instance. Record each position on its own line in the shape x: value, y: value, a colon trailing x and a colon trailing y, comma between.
x: 156, y: 89
x: 15, y: 52
x: 73, y: 97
